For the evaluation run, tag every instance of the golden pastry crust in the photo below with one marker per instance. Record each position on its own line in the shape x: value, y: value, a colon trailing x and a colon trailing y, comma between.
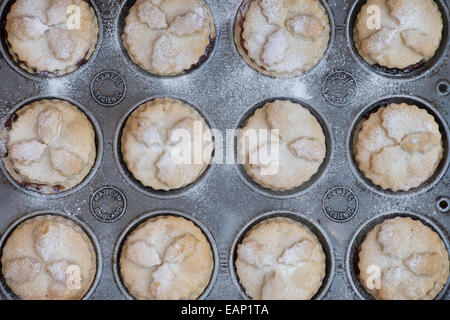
x: 282, y: 38
x: 410, y: 31
x: 168, y: 37
x: 44, y: 37
x: 300, y: 142
x: 280, y: 259
x: 399, y: 147
x: 412, y: 260
x: 150, y: 142
x: 50, y: 146
x: 45, y: 256
x: 166, y: 258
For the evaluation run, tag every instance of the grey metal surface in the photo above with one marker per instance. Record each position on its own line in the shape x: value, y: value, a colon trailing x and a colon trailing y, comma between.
x: 224, y: 89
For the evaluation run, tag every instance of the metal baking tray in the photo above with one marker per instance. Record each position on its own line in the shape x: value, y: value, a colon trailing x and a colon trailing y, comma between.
x: 338, y: 204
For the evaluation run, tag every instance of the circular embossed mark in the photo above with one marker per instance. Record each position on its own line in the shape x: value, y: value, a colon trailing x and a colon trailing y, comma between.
x: 108, y: 204
x: 339, y: 88
x: 340, y: 204
x: 108, y: 88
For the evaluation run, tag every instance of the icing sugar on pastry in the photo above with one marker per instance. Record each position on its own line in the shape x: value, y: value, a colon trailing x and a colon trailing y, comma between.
x: 166, y: 258
x: 159, y: 144
x: 410, y: 31
x: 49, y: 257
x: 282, y: 38
x: 41, y: 38
x: 280, y: 259
x: 296, y: 153
x: 168, y: 37
x: 412, y: 260
x: 399, y: 147
x: 51, y: 144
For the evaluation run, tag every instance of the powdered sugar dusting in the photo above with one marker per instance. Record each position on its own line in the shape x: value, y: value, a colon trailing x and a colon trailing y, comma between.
x: 275, y: 48
x: 27, y: 152
x: 152, y: 15
x: 163, y: 53
x: 299, y: 252
x: 188, y: 24
x: 224, y: 88
x: 306, y: 26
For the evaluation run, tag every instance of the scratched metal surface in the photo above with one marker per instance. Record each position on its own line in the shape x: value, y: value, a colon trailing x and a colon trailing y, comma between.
x: 223, y: 89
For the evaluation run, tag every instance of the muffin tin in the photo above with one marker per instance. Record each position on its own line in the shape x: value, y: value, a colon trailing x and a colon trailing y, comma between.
x: 338, y: 204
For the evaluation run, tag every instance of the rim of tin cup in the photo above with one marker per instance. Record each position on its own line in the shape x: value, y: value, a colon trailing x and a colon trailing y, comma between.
x: 374, y: 107
x: 312, y: 226
x: 8, y: 293
x: 4, y: 10
x: 135, y: 223
x: 98, y: 144
x: 359, y: 236
x: 124, y: 9
x: 313, y: 180
x: 421, y: 71
x: 136, y: 184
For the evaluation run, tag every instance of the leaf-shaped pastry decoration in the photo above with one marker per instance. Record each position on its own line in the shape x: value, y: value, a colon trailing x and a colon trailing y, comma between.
x: 162, y: 282
x: 255, y: 254
x: 27, y: 152
x: 67, y: 163
x: 308, y: 148
x: 168, y: 172
x: 60, y: 270
x: 391, y: 280
x: 397, y: 283
x: 151, y: 15
x: 26, y: 28
x: 299, y: 252
x: 390, y: 239
x: 305, y: 26
x: 49, y: 125
x: 274, y: 11
x: 399, y: 169
x: 21, y: 270
x: 190, y: 143
x: 378, y: 42
x: 187, y: 24
x: 163, y: 54
x: 145, y: 131
x: 400, y: 10
x: 61, y: 43
x: 278, y: 118
x: 419, y: 42
x: 273, y: 286
x: 182, y: 131
x: 143, y: 254
x: 400, y: 121
x: 275, y: 48
x: 57, y: 13
x: 392, y: 155
x: 182, y: 248
x: 424, y: 264
x: 266, y: 156
x: 420, y: 142
x: 47, y: 240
